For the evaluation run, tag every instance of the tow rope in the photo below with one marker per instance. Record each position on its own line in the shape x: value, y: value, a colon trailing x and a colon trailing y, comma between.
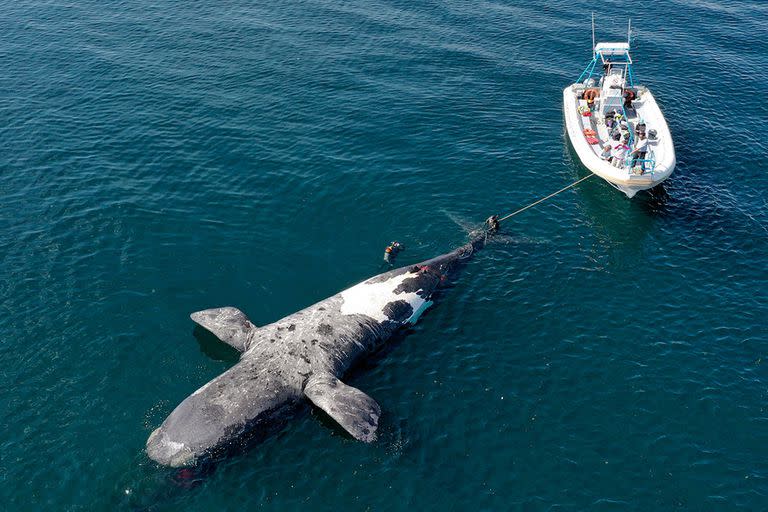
x: 521, y: 210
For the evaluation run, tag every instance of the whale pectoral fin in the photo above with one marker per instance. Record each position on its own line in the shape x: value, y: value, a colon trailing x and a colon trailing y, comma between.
x: 351, y: 408
x: 229, y: 324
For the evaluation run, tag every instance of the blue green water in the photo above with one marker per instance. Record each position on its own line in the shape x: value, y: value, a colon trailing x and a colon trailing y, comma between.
x: 164, y: 157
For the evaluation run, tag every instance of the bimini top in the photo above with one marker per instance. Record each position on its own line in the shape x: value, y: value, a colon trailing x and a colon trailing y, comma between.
x: 613, y: 52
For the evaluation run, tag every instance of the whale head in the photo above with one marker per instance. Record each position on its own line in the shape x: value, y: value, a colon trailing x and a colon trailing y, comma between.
x: 248, y: 398
x: 164, y: 450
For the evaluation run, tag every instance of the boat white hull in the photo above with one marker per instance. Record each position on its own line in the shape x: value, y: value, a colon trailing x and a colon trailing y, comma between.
x: 622, y: 178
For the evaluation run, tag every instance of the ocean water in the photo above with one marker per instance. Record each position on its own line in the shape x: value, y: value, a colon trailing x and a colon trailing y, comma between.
x: 164, y: 157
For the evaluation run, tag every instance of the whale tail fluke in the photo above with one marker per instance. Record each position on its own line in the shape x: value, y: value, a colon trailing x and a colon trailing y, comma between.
x: 228, y: 324
x: 351, y: 408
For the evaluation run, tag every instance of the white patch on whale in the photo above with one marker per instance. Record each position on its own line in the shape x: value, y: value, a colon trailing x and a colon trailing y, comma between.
x: 370, y: 299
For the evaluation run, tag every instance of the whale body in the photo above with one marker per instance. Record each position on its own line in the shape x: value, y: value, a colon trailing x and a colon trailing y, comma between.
x: 298, y: 358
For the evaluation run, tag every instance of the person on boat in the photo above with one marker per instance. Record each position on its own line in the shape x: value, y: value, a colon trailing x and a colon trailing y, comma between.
x: 590, y: 95
x: 619, y: 151
x: 629, y: 96
x: 641, y: 147
x: 606, y: 72
x: 625, y: 137
x: 392, y: 250
x: 618, y: 119
x: 624, y: 130
x: 615, y: 139
x: 606, y: 154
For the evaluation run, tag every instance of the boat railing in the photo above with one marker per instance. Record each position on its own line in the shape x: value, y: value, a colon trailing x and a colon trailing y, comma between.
x: 631, y: 76
x: 588, y: 71
x: 647, y: 165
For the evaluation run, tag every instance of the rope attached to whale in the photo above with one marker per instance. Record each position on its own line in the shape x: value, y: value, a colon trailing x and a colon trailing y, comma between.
x: 521, y: 210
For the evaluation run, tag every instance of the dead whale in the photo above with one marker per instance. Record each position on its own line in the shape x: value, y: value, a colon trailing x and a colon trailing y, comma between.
x: 300, y: 357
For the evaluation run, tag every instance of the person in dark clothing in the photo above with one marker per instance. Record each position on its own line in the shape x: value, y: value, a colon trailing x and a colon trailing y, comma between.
x: 392, y: 250
x: 492, y: 224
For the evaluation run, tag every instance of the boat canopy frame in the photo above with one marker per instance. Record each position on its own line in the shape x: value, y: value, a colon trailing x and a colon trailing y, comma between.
x: 611, y: 54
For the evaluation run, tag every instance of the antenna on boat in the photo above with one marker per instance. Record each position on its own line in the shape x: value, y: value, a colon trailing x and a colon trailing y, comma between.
x: 629, y: 29
x: 593, y: 34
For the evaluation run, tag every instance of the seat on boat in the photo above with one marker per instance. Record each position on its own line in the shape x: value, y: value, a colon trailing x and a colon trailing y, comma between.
x: 612, y: 94
x: 586, y: 122
x: 602, y: 131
